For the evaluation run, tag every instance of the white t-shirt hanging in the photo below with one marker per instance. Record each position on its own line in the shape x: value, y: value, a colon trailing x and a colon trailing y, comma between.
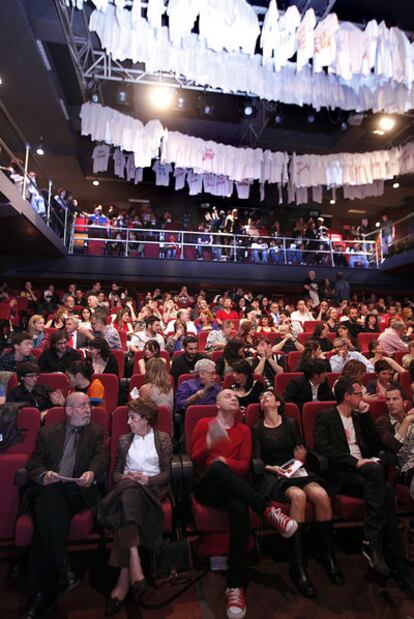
x: 180, y: 175
x: 100, y: 156
x: 317, y: 194
x: 162, y: 173
x: 270, y: 32
x: 325, y: 43
x: 195, y: 183
x: 288, y: 24
x: 139, y: 175
x: 155, y: 11
x: 371, y: 33
x: 130, y: 167
x: 119, y: 163
x: 305, y: 39
x: 243, y: 190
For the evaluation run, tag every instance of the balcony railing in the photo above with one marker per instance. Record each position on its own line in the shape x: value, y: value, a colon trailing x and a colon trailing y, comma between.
x: 105, y: 240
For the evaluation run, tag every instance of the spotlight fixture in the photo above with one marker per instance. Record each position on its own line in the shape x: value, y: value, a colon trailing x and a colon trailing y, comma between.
x: 122, y: 96
x: 378, y: 132
x: 332, y: 201
x: 395, y: 185
x: 278, y: 119
x: 95, y: 182
x: 95, y: 98
x: 180, y: 104
x: 205, y: 107
x: 249, y: 109
x: 1, y: 81
x: 40, y: 149
x: 378, y: 224
x: 310, y: 117
x: 386, y: 123
x: 344, y: 125
x: 161, y: 97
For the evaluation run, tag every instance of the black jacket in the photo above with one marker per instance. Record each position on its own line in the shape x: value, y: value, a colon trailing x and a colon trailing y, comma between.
x: 299, y: 391
x: 50, y: 362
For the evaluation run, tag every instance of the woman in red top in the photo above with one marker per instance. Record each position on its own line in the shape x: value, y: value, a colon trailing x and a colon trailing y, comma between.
x: 267, y: 326
x: 221, y: 450
x: 122, y: 321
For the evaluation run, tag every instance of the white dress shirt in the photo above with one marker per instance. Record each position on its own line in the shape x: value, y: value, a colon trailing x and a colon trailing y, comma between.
x: 142, y: 456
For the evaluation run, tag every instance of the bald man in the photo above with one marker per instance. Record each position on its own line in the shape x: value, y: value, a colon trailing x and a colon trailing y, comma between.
x: 73, y: 449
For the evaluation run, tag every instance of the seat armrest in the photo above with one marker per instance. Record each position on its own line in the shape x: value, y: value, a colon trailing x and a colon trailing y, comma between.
x: 21, y: 477
x: 258, y: 466
x: 187, y: 466
x: 176, y: 468
x: 317, y: 462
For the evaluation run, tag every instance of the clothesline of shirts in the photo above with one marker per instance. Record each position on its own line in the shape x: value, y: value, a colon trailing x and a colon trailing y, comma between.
x: 239, y: 164
x: 238, y: 72
x: 219, y: 186
x: 233, y: 26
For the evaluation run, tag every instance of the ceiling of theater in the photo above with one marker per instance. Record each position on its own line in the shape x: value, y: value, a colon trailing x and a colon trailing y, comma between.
x: 32, y: 96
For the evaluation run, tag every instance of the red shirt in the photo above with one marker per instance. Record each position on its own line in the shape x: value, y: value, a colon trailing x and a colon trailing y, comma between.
x: 223, y: 315
x: 237, y: 451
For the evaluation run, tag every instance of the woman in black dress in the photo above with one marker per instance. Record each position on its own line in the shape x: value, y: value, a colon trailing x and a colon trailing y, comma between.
x: 247, y: 388
x: 276, y: 439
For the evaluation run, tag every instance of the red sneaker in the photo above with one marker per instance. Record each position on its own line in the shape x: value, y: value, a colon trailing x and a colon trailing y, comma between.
x: 277, y: 519
x: 236, y: 604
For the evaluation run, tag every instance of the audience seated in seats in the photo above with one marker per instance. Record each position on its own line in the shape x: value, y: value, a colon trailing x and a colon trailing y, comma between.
x: 85, y: 319
x: 70, y: 304
x: 76, y: 338
x: 133, y: 507
x: 151, y: 350
x: 226, y: 312
x: 342, y: 331
x: 29, y: 391
x: 266, y: 326
x: 376, y: 353
x: 407, y: 358
x: 277, y: 439
x: 74, y: 448
x: 320, y: 335
x: 396, y: 430
x: 101, y: 358
x: 354, y: 370
x: 218, y: 338
x: 58, y: 320
x: 265, y: 362
x: 152, y: 332
x: 101, y: 329
x: 184, y: 363
x: 343, y: 354
x: 36, y: 329
x: 233, y: 352
x: 21, y: 347
x: 347, y: 436
x: 58, y: 357
x: 80, y: 379
x: 311, y: 351
x: 311, y: 387
x: 175, y: 342
x: 300, y: 316
x: 391, y: 339
x: 377, y: 388
x: 182, y: 314
x: 221, y: 450
x: 286, y: 341
x: 205, y: 322
x: 370, y: 324
x: 246, y: 387
x: 202, y: 389
x: 157, y: 384
x: 354, y: 324
x: 246, y: 335
x: 332, y: 319
x: 123, y: 320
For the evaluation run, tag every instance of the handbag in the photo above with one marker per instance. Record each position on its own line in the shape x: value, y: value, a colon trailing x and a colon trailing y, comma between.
x: 172, y: 564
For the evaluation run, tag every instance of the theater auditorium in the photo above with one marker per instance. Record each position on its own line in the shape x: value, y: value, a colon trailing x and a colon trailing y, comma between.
x: 206, y: 309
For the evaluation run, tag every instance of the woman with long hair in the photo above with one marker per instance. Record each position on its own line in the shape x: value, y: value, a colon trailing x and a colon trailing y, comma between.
x: 332, y: 321
x: 175, y: 341
x: 122, y: 321
x: 205, y: 321
x: 320, y: 335
x: 85, y: 319
x: 311, y: 351
x: 157, y: 386
x: 371, y: 324
x: 102, y: 360
x: 277, y: 440
x: 343, y: 332
x: 246, y: 335
x: 246, y: 387
x: 151, y: 350
x: 36, y: 329
x: 266, y: 325
x: 233, y: 352
x: 57, y: 321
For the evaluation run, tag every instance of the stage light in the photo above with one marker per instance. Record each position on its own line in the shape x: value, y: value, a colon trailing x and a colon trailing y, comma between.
x: 248, y: 109
x: 344, y: 126
x: 332, y: 201
x: 122, y: 96
x: 386, y: 123
x: 395, y: 185
x: 310, y: 118
x: 378, y: 224
x: 40, y: 149
x: 278, y: 119
x: 95, y: 98
x: 95, y: 182
x: 161, y: 97
x: 180, y: 103
x: 378, y: 132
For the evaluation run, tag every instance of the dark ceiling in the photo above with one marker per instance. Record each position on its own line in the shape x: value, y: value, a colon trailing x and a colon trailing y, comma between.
x: 33, y: 95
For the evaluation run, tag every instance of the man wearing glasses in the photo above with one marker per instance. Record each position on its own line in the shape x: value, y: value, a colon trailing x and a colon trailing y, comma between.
x: 343, y: 354
x: 347, y: 437
x: 67, y: 460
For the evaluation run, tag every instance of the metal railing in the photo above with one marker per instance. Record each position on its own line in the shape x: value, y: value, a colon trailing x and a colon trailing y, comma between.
x: 97, y: 239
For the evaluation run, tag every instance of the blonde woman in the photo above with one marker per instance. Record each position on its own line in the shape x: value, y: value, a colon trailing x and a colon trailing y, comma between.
x: 157, y: 386
x: 36, y: 328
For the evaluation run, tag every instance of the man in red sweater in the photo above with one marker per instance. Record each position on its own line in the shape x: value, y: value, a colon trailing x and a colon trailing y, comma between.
x: 221, y: 449
x: 227, y: 313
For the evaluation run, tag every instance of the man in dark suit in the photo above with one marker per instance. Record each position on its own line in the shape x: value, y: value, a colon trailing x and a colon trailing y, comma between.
x: 311, y: 387
x: 76, y: 339
x: 73, y: 449
x: 59, y: 356
x: 347, y: 436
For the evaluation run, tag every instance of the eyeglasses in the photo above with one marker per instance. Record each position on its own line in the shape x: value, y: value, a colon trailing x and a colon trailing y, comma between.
x: 359, y: 393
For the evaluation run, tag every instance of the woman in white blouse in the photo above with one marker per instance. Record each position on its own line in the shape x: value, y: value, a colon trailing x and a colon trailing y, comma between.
x: 133, y: 507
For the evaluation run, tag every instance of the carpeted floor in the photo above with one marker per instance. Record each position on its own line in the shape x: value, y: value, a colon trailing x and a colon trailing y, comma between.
x: 270, y: 593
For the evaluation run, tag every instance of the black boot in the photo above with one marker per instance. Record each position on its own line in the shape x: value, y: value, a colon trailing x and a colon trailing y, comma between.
x: 327, y: 553
x: 67, y: 578
x: 297, y: 569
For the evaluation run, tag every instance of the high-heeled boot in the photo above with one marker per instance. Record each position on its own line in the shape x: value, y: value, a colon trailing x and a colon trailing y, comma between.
x: 297, y: 569
x: 324, y: 531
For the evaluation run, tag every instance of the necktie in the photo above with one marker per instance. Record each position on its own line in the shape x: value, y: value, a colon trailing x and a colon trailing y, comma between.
x: 67, y: 462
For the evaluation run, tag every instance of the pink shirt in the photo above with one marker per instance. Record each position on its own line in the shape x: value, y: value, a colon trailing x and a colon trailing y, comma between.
x: 391, y: 342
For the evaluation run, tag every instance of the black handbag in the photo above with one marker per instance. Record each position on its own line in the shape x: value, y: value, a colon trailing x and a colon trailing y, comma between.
x: 172, y: 564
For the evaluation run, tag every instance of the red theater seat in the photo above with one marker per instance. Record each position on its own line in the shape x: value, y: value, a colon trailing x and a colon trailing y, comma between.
x: 364, y: 339
x: 282, y: 380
